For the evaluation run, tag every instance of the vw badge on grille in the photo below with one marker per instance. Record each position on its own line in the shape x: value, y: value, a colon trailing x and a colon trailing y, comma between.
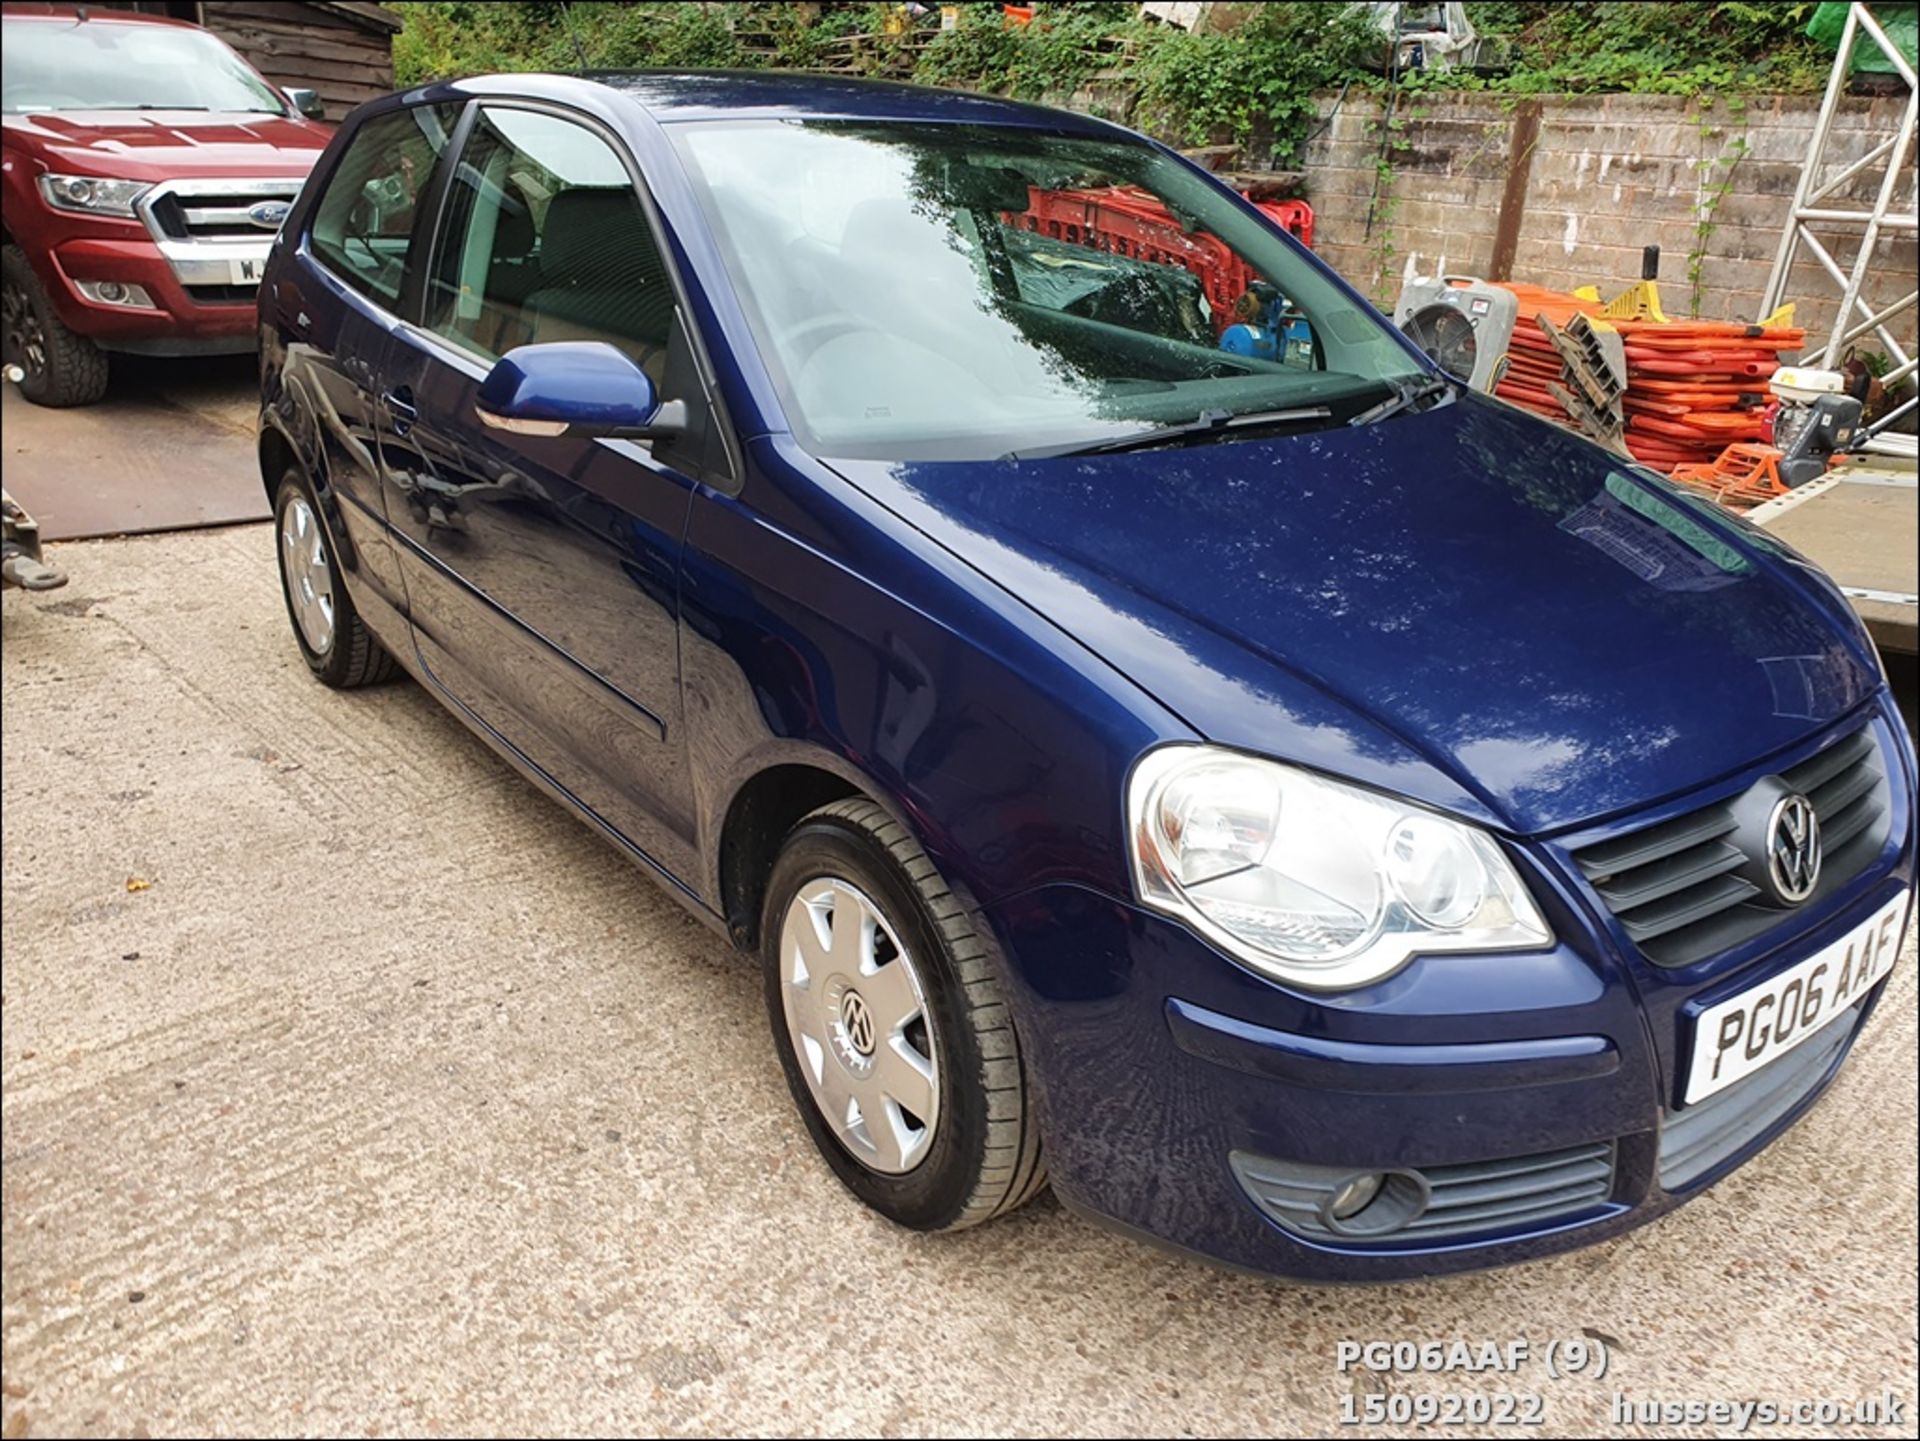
x: 1793, y: 848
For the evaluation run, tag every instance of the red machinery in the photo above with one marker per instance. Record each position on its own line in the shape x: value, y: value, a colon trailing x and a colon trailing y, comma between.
x: 1128, y: 221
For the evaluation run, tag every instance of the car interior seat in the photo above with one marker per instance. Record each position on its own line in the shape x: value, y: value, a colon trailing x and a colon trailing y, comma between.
x: 602, y: 276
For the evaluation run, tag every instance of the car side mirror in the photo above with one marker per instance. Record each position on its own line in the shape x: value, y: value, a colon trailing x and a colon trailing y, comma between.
x: 307, y: 102
x: 575, y: 387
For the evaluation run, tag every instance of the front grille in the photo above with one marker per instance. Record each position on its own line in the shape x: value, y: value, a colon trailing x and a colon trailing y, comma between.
x: 1514, y: 1194
x: 1674, y: 887
x: 203, y: 210
x: 1695, y: 1140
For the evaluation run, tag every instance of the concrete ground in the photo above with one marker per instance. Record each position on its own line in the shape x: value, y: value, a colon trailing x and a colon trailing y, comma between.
x: 350, y: 1086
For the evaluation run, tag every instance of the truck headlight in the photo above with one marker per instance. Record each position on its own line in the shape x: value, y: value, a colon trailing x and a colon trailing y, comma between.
x: 1311, y: 882
x: 91, y: 195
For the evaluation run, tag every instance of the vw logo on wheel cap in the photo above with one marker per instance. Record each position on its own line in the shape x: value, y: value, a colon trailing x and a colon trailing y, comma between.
x: 856, y: 1021
x: 1793, y: 848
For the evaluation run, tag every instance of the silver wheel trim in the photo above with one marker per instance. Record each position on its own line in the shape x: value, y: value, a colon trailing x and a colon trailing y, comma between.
x: 852, y: 995
x: 303, y: 567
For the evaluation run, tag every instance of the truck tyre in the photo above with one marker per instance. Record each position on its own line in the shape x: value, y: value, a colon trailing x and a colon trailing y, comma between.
x: 59, y: 368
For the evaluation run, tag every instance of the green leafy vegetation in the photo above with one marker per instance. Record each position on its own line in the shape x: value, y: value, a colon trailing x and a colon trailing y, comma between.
x: 1686, y: 48
x: 1253, y: 85
x: 1716, y: 182
x: 445, y: 38
x: 1054, y: 56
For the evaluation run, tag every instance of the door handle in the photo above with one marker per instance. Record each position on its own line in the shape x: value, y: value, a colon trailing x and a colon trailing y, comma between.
x: 399, y: 404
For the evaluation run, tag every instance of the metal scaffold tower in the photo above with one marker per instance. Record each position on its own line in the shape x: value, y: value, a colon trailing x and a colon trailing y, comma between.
x: 1812, y: 209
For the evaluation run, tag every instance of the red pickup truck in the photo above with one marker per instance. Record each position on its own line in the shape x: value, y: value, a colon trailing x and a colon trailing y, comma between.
x: 146, y: 168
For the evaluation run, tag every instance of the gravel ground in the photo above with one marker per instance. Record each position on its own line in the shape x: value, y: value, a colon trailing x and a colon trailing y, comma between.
x: 350, y: 1086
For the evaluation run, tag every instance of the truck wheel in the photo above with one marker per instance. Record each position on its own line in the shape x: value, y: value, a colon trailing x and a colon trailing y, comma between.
x: 897, y: 1044
x: 334, y: 641
x: 59, y: 368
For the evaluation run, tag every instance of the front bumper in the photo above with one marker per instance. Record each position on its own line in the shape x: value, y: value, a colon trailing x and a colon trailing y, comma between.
x: 197, y: 248
x: 1170, y: 1079
x: 206, y: 315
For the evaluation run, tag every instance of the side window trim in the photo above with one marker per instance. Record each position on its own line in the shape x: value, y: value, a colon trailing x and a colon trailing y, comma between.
x: 424, y: 252
x: 444, y: 350
x: 427, y: 211
x: 729, y: 483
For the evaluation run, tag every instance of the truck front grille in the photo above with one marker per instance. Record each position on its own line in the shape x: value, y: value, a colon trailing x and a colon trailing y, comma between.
x: 214, y: 209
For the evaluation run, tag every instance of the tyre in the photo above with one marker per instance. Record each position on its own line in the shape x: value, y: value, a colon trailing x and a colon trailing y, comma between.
x: 336, y: 643
x: 897, y: 1043
x: 58, y: 368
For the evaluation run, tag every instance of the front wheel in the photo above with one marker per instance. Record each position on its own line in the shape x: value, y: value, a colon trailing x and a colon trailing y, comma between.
x: 897, y: 1044
x: 57, y: 367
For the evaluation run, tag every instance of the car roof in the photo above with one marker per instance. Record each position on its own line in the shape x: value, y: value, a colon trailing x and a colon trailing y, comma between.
x: 95, y: 15
x: 680, y: 96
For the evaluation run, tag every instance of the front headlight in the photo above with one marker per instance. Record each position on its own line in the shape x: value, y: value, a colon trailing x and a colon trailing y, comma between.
x: 91, y: 195
x: 1311, y: 882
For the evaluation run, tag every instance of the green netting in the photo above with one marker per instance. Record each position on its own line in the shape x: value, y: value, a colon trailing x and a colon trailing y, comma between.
x: 1901, y: 22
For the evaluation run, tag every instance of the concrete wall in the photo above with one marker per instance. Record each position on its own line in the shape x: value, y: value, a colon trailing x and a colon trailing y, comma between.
x: 1607, y: 175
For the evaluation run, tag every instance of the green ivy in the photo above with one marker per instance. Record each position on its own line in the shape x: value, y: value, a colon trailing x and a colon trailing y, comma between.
x: 1253, y: 85
x: 1685, y: 48
x: 442, y: 38
x: 1716, y: 182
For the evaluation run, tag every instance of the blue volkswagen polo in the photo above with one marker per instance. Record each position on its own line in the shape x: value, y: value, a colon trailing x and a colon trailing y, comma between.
x: 1188, y: 753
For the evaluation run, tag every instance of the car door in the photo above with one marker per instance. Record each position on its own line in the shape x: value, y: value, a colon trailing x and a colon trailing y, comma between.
x: 336, y: 308
x: 542, y: 570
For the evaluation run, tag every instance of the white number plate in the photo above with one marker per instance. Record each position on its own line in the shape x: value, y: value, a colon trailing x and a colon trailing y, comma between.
x: 246, y: 272
x: 1739, y: 1036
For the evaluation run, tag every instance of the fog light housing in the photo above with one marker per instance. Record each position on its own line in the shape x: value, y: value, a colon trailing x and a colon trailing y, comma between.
x: 1375, y: 1203
x: 1353, y: 1195
x: 115, y: 292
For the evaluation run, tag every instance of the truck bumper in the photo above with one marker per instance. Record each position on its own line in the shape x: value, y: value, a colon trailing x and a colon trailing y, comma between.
x: 199, y: 302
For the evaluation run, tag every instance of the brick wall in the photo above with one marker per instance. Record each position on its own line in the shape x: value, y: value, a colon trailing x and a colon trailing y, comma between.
x: 1608, y: 175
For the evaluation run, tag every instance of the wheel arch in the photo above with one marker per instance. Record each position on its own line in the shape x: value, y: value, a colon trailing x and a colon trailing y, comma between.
x: 764, y: 807
x: 773, y: 794
x: 276, y: 454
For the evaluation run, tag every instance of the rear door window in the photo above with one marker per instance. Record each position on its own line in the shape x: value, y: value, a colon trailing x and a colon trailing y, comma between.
x: 364, y: 221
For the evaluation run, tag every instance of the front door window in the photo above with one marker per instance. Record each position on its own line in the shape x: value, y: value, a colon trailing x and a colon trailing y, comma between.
x: 546, y: 240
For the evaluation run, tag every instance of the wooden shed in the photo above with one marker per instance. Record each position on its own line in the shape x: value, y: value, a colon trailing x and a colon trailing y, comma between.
x: 343, y: 50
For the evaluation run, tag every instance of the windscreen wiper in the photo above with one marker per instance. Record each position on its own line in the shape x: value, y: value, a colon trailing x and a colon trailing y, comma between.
x: 1405, y: 395
x: 1208, y: 425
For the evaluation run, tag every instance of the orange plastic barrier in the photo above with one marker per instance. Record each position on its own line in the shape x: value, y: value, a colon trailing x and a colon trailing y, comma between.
x: 1692, y: 385
x: 1697, y: 363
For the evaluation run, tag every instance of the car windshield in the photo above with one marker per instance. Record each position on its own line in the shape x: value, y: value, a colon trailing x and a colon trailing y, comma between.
x: 106, y: 65
x: 936, y: 291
